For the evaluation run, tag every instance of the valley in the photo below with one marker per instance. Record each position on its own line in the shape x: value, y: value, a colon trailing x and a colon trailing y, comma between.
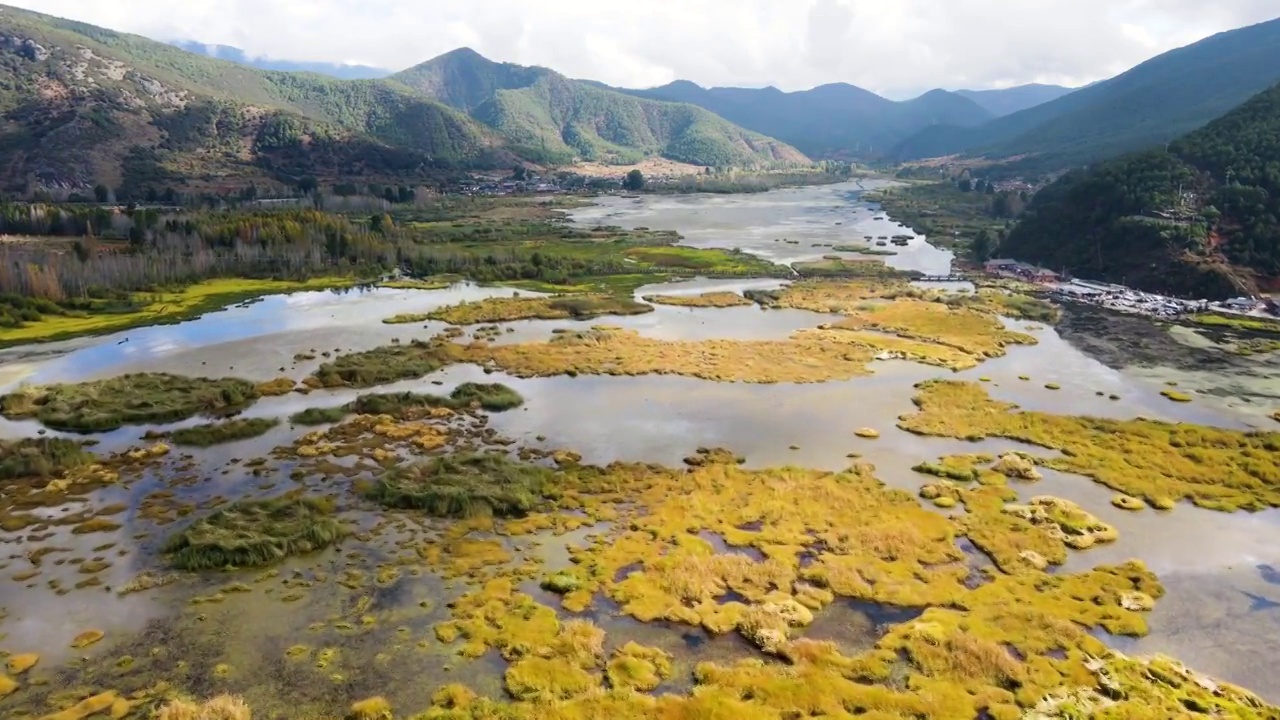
x: 482, y: 390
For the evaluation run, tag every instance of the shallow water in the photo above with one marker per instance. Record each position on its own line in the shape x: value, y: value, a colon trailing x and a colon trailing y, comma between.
x: 1221, y: 614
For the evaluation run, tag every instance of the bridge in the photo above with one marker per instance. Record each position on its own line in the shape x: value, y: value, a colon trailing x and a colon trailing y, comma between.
x: 941, y: 278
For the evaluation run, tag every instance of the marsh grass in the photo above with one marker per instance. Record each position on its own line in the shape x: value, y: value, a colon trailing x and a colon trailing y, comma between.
x: 252, y: 533
x: 383, y: 365
x: 705, y: 300
x: 558, y: 307
x: 40, y: 457
x: 1157, y: 462
x: 319, y: 416
x: 494, y: 397
x: 141, y: 398
x: 211, y: 434
x: 466, y: 486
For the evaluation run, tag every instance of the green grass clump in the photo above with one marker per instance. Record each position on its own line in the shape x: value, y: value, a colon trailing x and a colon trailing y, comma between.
x: 211, y: 434
x: 1237, y: 322
x: 494, y: 397
x: 251, y: 533
x: 465, y: 486
x: 40, y: 457
x: 140, y: 398
x: 319, y: 416
x: 382, y: 365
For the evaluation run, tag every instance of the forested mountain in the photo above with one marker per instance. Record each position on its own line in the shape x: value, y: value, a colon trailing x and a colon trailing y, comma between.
x: 1202, y: 218
x: 1153, y: 103
x: 1010, y: 100
x: 547, y: 117
x: 836, y: 120
x: 82, y: 105
x: 236, y: 55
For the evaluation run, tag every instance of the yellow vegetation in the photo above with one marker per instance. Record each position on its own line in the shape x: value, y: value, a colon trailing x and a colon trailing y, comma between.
x: 507, y: 309
x: 374, y: 708
x: 278, y: 386
x: 868, y: 433
x: 87, y: 638
x: 705, y: 300
x: 222, y: 707
x: 18, y: 664
x: 1158, y: 462
x: 976, y: 333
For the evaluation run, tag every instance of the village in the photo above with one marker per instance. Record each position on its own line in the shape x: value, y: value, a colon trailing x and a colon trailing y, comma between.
x: 1124, y: 299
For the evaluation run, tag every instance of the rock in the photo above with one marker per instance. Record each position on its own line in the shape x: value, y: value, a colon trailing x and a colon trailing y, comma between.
x: 868, y: 433
x: 1016, y: 466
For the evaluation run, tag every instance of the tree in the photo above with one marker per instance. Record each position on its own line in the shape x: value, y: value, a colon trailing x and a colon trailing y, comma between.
x: 981, y: 247
x: 966, y: 185
x: 519, y: 173
x: 308, y: 184
x: 102, y: 193
x: 634, y: 181
x: 405, y: 195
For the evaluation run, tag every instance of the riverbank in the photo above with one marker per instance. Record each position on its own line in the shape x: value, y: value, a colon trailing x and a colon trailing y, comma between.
x: 157, y: 308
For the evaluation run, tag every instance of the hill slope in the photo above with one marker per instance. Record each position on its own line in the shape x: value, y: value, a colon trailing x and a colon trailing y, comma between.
x: 549, y: 118
x: 236, y: 55
x: 1149, y: 105
x: 837, y: 120
x: 1011, y: 100
x: 82, y: 105
x: 1201, y: 219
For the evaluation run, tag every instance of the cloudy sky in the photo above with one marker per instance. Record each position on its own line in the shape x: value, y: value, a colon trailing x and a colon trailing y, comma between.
x: 895, y: 47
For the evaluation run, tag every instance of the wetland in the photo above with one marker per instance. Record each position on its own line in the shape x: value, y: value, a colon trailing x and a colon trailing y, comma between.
x: 742, y: 494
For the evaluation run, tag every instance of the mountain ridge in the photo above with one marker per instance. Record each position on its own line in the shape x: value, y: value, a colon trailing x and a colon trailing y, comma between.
x: 85, y: 105
x: 830, y: 120
x: 1200, y: 218
x: 552, y: 118
x: 1007, y: 101
x: 1152, y: 103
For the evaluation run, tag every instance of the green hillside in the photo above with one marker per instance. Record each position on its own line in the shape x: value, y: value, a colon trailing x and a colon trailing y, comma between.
x: 837, y: 120
x: 1155, y: 102
x: 1202, y: 219
x: 549, y: 118
x: 82, y: 105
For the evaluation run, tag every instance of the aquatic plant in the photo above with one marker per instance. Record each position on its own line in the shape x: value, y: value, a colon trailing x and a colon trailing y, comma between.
x: 41, y: 457
x: 1156, y: 461
x: 465, y: 486
x: 557, y: 307
x: 222, y: 707
x: 249, y: 533
x: 705, y: 300
x: 494, y: 397
x: 1175, y: 395
x: 211, y: 434
x: 382, y: 365
x: 100, y: 405
x: 374, y: 708
x: 276, y: 387
x: 319, y: 416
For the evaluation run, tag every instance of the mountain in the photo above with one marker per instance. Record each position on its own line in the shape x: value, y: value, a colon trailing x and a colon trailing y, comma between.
x: 1010, y: 100
x: 81, y: 105
x: 1200, y: 219
x: 547, y: 117
x: 1151, y: 104
x: 236, y: 55
x: 836, y: 120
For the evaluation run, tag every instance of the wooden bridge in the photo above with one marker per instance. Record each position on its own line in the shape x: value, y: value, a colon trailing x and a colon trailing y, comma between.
x: 940, y: 278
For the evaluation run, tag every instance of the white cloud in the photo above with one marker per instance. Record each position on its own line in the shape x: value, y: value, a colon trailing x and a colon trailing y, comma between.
x: 897, y: 48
